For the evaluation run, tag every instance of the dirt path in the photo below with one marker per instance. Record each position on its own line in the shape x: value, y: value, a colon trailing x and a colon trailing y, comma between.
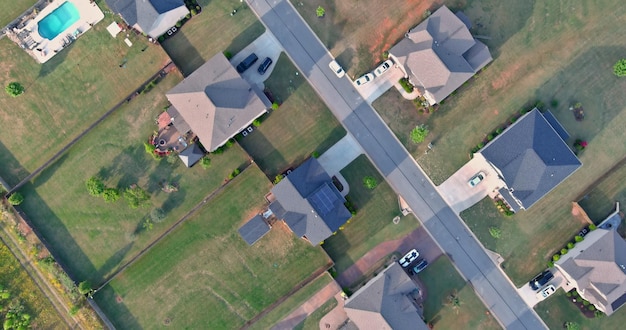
x: 308, y: 307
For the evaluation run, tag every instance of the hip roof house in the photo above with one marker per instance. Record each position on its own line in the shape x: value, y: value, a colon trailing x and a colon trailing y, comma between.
x: 215, y: 103
x: 153, y: 17
x: 440, y: 54
x: 532, y: 158
x: 309, y: 202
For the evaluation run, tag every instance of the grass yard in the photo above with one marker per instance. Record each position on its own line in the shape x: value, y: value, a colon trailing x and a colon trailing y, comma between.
x: 302, y: 124
x: 557, y: 310
x: 372, y: 224
x: 211, y: 32
x: 600, y: 202
x: 10, y: 10
x: 24, y: 291
x: 94, y: 237
x: 67, y: 93
x: 441, y: 281
x: 290, y: 304
x: 204, y: 275
x: 312, y: 322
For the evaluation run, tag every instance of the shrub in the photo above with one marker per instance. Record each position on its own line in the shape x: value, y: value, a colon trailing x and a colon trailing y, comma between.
x: 228, y: 55
x: 370, y: 182
x: 592, y: 227
x: 598, y: 313
x: 556, y: 257
x: 538, y: 105
x: 550, y: 264
x: 15, y: 199
x: 592, y: 308
x: 205, y: 162
x: 157, y: 215
x: 495, y: 232
x: 480, y: 145
x: 563, y: 251
x: 315, y: 154
x: 570, y: 245
x: 568, y: 294
x: 320, y: 11
x: 585, y: 302
x: 150, y: 149
x: 110, y: 195
x: 188, y: 16
x: 554, y: 103
x: 499, y: 130
x: 161, y: 38
x: 275, y: 106
x: 84, y: 287
x: 193, y: 11
x: 172, y: 158
x: 278, y: 178
x: 219, y: 150
x: 575, y: 293
x: 74, y: 310
x: 408, y: 87
x: 95, y: 186
x: 179, y: 24
x: 419, y: 133
x: 489, y: 137
x: 229, y: 143
x: 572, y: 326
x: 385, y: 55
x: 619, y: 69
x: 578, y: 238
x: 14, y: 89
x: 256, y: 123
x: 136, y: 197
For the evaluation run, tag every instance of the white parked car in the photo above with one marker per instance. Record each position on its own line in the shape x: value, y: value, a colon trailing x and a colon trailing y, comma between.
x: 383, y: 68
x: 409, y: 258
x: 546, y: 292
x: 364, y: 79
x: 337, y: 69
x: 476, y: 179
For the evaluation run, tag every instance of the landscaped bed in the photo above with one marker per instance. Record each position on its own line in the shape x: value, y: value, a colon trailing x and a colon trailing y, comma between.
x: 205, y: 275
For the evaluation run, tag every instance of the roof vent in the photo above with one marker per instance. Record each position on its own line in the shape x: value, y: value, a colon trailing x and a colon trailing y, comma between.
x: 623, y: 267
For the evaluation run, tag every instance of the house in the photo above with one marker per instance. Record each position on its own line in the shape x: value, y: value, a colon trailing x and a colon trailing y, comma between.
x: 215, y: 103
x: 152, y: 17
x: 531, y: 157
x: 309, y: 202
x: 191, y: 155
x: 440, y: 54
x: 386, y: 302
x: 597, y: 268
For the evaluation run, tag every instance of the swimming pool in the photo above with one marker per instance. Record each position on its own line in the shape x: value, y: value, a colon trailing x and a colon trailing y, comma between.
x: 58, y: 20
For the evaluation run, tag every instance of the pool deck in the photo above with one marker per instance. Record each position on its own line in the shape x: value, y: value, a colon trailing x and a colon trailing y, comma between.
x: 43, y: 49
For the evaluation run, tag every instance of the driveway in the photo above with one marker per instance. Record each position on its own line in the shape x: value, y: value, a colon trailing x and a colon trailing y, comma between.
x: 377, y: 87
x: 530, y: 296
x: 456, y: 190
x: 340, y: 155
x: 264, y: 46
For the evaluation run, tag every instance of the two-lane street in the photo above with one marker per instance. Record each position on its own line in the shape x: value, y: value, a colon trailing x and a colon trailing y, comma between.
x: 395, y: 163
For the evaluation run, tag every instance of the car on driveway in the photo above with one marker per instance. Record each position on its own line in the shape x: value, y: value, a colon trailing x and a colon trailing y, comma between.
x: 265, y: 65
x: 247, y: 63
x: 409, y: 258
x: 546, y: 292
x: 476, y: 179
x: 383, y: 68
x: 337, y: 69
x: 364, y: 79
x: 420, y: 265
x: 541, y: 280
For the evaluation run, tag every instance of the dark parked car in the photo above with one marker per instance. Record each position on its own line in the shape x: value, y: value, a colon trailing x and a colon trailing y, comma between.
x: 540, y: 280
x: 265, y: 65
x: 420, y: 265
x: 247, y: 63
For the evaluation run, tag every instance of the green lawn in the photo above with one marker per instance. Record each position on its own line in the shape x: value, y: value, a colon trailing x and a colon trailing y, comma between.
x: 204, y: 275
x: 10, y: 10
x: 372, y: 224
x: 94, y: 237
x: 67, y: 93
x: 302, y: 124
x: 211, y: 32
x: 441, y: 281
x: 600, y: 202
x: 290, y: 304
x: 24, y: 291
x: 312, y: 322
x: 557, y: 310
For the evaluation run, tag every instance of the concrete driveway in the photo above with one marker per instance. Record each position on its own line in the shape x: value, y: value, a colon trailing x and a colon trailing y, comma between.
x: 264, y: 46
x: 530, y: 296
x: 458, y: 193
x: 377, y: 87
x: 340, y: 155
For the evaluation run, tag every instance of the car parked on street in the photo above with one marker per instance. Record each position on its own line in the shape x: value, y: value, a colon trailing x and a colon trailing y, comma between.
x: 540, y: 280
x: 337, y: 69
x: 546, y: 292
x: 409, y: 258
x: 364, y: 79
x: 383, y: 68
x: 265, y: 65
x: 476, y: 179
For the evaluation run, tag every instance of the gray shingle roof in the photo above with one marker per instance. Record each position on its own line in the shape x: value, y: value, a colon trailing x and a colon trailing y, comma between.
x: 254, y: 229
x: 531, y: 157
x: 440, y: 54
x: 178, y: 121
x: 309, y: 203
x: 597, y: 265
x: 153, y: 17
x: 216, y: 102
x: 383, y: 303
x: 191, y: 155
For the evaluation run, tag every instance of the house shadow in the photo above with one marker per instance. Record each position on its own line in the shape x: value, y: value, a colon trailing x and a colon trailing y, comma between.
x: 268, y: 158
x: 245, y: 38
x: 11, y: 170
x: 113, y: 262
x: 113, y: 306
x: 285, y: 79
x: 53, y: 63
x: 183, y: 53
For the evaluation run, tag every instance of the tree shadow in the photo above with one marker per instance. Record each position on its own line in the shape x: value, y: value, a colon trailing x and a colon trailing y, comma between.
x: 264, y: 154
x: 345, y: 59
x: 173, y: 200
x: 11, y: 170
x: 128, y: 164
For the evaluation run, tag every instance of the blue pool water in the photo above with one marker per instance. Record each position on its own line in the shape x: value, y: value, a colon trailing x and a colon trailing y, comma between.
x: 58, y: 20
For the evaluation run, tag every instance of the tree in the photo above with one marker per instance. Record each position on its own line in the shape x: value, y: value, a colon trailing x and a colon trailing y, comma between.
x: 320, y: 11
x: 495, y: 232
x: 157, y: 215
x: 84, y: 287
x: 370, y: 182
x: 15, y: 198
x: 135, y: 196
x: 95, y: 186
x: 205, y: 162
x: 419, y: 133
x: 620, y: 68
x: 110, y: 195
x: 572, y: 326
x: 14, y: 89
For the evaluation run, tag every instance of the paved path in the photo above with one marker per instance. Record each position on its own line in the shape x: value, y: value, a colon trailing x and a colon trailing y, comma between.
x: 417, y: 239
x: 308, y: 307
x: 336, y: 317
x: 396, y: 165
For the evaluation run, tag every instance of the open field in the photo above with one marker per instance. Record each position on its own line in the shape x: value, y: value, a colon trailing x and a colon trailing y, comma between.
x: 10, y: 10
x: 290, y: 304
x: 211, y: 32
x: 372, y: 224
x: 67, y: 93
x: 94, y: 237
x: 21, y: 287
x: 441, y: 281
x: 557, y: 310
x: 302, y: 124
x: 206, y: 266
x: 312, y: 322
x: 600, y: 201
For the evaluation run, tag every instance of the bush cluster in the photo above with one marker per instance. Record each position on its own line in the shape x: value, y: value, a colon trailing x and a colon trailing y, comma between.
x: 408, y: 87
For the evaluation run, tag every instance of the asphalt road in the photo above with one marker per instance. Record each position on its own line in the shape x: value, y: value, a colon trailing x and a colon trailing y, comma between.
x: 394, y: 162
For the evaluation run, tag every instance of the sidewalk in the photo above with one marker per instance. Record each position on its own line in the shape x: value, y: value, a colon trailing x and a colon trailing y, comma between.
x: 308, y: 307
